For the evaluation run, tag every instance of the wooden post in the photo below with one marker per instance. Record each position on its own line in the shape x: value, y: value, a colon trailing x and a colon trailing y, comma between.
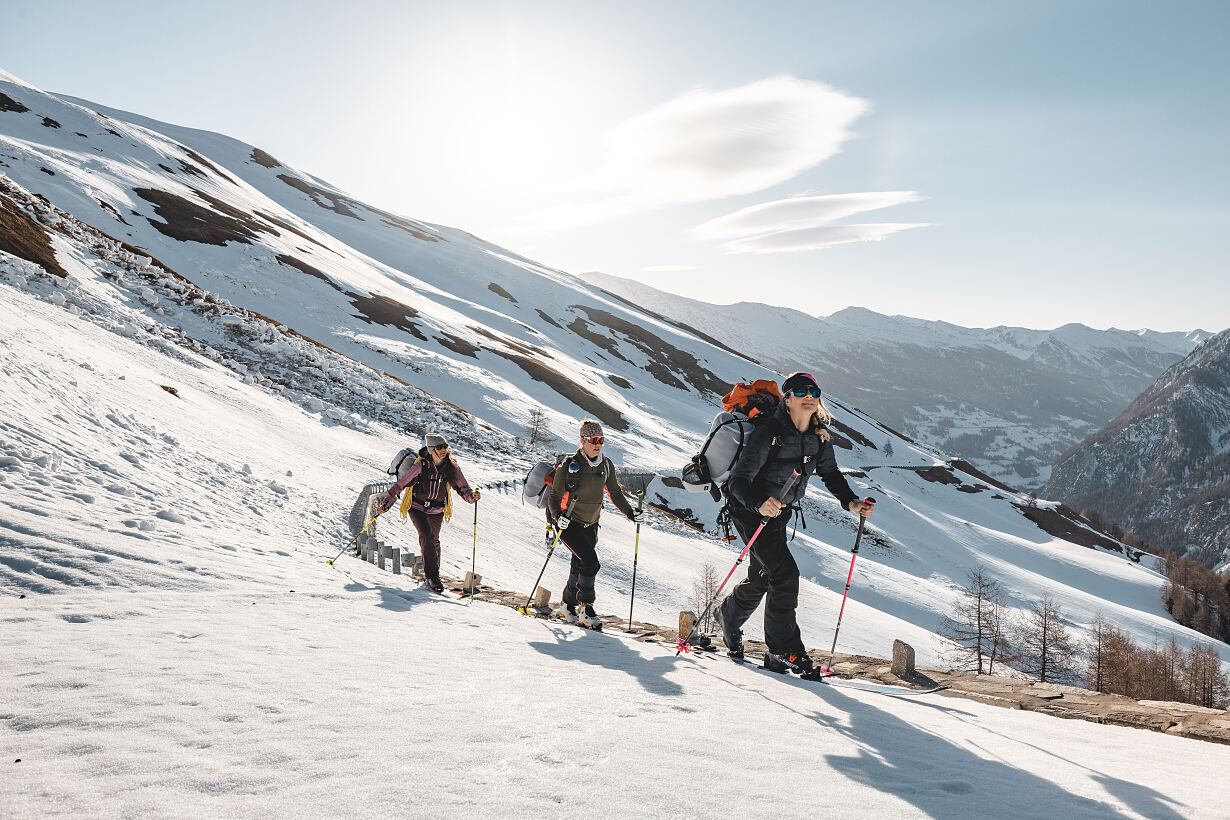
x: 396, y: 561
x: 470, y: 587
x: 416, y: 569
x: 542, y: 600
x: 687, y: 619
x: 382, y: 549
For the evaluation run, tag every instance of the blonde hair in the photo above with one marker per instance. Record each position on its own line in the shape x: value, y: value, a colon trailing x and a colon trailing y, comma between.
x: 823, y: 417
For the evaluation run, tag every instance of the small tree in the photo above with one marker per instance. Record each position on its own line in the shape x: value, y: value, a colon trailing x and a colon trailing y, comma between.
x: 976, y: 624
x: 703, y: 589
x: 888, y: 448
x: 536, y: 428
x: 1044, y: 646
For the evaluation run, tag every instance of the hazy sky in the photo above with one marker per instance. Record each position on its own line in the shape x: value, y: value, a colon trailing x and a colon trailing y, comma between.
x: 984, y: 163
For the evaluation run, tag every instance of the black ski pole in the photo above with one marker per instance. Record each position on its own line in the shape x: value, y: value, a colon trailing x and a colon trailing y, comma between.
x: 559, y: 533
x: 636, y: 548
x: 686, y: 643
x: 474, y: 556
x: 862, y: 519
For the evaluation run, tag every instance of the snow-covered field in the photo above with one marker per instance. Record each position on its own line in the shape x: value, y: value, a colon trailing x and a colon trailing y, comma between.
x: 175, y: 643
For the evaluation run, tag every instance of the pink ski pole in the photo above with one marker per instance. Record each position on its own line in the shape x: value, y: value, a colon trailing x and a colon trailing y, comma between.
x: 862, y: 519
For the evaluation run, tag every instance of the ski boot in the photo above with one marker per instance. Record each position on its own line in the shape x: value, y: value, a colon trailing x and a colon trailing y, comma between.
x: 799, y: 663
x: 733, y: 638
x: 589, y: 619
x: 568, y: 614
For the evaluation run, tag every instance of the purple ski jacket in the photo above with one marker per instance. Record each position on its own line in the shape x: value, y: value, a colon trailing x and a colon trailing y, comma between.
x: 429, y: 486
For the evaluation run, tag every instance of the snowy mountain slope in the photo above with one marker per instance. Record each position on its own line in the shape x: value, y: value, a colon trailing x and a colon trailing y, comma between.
x: 932, y: 523
x: 1009, y: 399
x: 182, y: 643
x: 460, y: 318
x: 1162, y: 468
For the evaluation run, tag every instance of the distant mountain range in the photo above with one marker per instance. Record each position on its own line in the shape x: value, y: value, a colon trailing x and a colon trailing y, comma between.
x: 1161, y: 469
x: 1008, y: 399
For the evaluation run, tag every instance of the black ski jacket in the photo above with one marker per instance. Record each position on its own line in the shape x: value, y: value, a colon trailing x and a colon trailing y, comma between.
x: 755, y: 478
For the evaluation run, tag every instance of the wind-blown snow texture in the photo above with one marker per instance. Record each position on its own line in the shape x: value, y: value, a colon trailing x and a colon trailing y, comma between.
x: 1006, y: 398
x: 175, y: 642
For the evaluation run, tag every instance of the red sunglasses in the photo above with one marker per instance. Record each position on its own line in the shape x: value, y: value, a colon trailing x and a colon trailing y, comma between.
x: 594, y: 439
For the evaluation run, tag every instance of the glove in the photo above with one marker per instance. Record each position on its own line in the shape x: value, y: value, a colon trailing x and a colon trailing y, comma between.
x: 385, y: 505
x: 637, y: 516
x: 562, y: 523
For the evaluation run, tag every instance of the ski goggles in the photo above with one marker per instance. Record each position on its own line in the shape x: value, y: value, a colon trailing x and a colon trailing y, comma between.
x: 593, y: 439
x: 814, y: 392
x: 440, y: 448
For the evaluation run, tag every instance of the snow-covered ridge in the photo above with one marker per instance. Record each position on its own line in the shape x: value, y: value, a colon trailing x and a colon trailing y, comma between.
x: 472, y: 323
x: 1009, y: 399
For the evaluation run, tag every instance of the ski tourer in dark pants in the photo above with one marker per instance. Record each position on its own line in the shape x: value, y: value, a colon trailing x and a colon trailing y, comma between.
x: 794, y: 438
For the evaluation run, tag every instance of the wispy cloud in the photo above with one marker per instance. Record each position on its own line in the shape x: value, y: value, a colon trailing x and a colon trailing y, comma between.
x: 798, y: 212
x: 803, y: 223
x: 816, y: 237
x: 706, y: 145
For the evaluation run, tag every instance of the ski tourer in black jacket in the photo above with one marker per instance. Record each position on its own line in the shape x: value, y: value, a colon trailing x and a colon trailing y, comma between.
x: 756, y: 478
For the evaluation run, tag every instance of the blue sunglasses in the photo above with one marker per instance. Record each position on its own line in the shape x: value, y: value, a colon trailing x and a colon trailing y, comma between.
x: 814, y: 392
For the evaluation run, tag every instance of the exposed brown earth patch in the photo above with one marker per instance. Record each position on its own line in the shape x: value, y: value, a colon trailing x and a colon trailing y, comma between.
x: 840, y: 441
x: 21, y: 236
x: 970, y: 469
x: 291, y: 229
x: 665, y: 360
x: 166, y: 168
x: 381, y: 310
x: 938, y: 475
x: 580, y: 327
x: 48, y: 122
x: 263, y: 159
x: 1062, y: 522
x: 7, y: 103
x: 512, y: 344
x: 547, y: 318
x: 567, y: 388
x: 458, y: 345
x: 48, y: 172
x: 972, y: 488
x: 200, y: 160
x: 109, y: 207
x: 336, y: 203
x: 851, y: 433
x: 619, y: 381
x: 189, y: 222
x: 681, y: 325
x: 496, y: 289
x: 189, y: 168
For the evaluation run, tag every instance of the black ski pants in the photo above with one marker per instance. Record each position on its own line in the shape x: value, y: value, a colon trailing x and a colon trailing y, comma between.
x: 771, y: 570
x: 582, y: 541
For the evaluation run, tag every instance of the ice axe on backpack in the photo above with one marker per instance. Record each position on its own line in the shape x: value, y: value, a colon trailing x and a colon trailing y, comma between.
x: 685, y: 643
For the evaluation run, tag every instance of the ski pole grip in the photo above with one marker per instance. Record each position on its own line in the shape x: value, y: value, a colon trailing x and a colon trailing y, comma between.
x: 788, y: 485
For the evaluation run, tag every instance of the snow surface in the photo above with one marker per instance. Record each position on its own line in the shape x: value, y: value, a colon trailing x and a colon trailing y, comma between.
x: 213, y: 663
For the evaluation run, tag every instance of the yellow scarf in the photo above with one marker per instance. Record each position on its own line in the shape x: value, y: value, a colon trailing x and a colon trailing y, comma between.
x: 407, y: 499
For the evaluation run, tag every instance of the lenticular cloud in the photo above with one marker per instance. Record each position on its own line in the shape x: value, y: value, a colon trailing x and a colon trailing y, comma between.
x: 710, y: 144
x: 803, y: 223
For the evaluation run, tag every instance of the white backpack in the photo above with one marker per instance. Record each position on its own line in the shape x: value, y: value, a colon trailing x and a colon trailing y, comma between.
x: 401, y: 462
